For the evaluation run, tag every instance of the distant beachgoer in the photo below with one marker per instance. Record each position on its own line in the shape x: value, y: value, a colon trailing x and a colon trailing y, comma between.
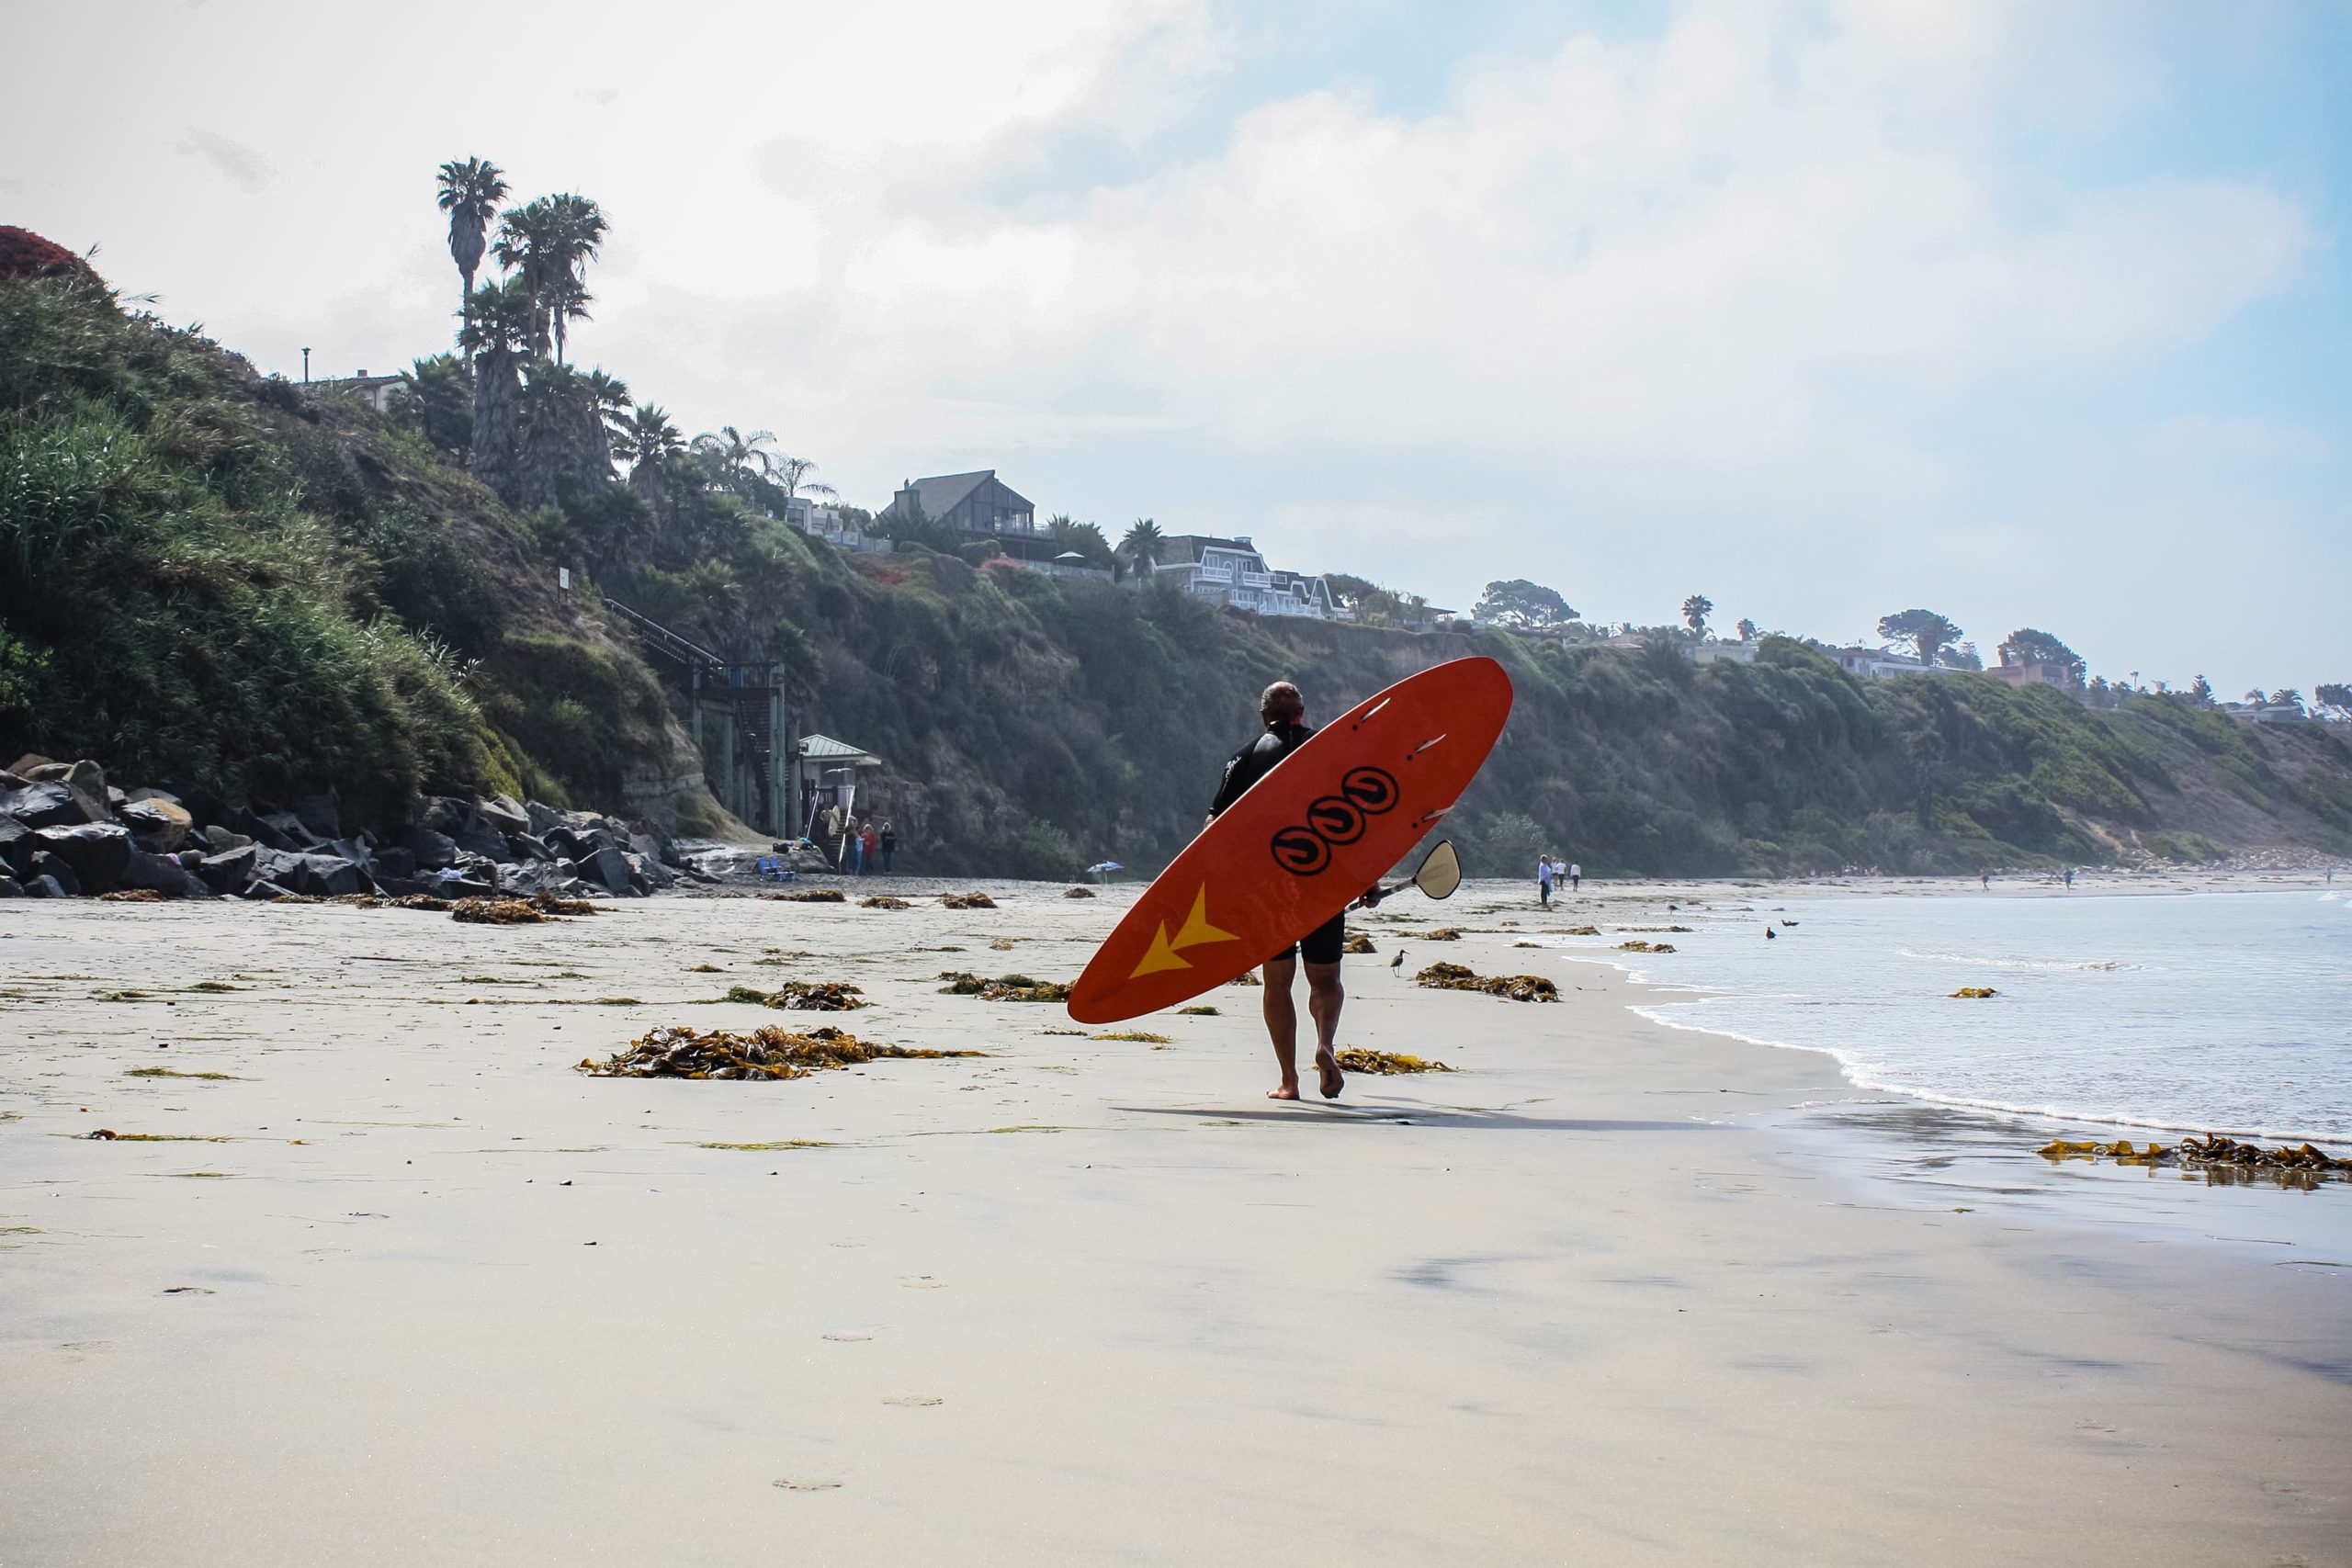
x: 1987, y: 878
x: 889, y: 846
x: 1282, y: 711
x: 1575, y: 877
x: 2070, y: 877
x: 869, y: 848
x: 1543, y: 881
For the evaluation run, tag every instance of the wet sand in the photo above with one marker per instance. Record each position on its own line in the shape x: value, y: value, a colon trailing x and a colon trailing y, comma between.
x: 1610, y: 1292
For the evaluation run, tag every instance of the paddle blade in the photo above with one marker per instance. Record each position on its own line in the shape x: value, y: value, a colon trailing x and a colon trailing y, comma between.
x: 1440, y: 870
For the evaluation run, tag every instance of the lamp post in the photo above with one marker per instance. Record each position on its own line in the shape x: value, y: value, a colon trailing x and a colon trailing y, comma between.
x: 306, y: 367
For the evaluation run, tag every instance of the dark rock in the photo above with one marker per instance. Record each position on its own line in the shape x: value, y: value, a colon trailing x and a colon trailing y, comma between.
x: 526, y: 848
x: 42, y: 804
x: 22, y: 767
x: 442, y: 813
x: 16, y: 843
x: 542, y: 816
x: 432, y: 847
x: 54, y: 872
x: 320, y: 814
x: 324, y: 876
x: 162, y: 875
x: 608, y: 867
x: 291, y: 829
x: 86, y: 779
x: 205, y: 806
x: 157, y: 826
x: 220, y: 841
x: 228, y: 871
x: 97, y: 851
x: 45, y: 888
x: 501, y: 812
x: 11, y: 888
x: 165, y: 795
x: 394, y: 862
x: 478, y: 837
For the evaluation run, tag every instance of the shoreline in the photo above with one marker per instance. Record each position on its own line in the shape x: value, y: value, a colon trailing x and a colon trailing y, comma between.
x: 443, y: 1298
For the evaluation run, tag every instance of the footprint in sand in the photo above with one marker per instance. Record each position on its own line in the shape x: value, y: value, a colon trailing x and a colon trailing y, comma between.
x: 912, y: 1401
x: 922, y: 1282
x: 849, y: 1338
x: 792, y: 1484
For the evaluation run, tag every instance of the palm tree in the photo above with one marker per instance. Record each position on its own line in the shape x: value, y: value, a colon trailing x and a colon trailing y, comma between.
x: 546, y: 243
x: 1141, y: 544
x: 1696, y: 611
x: 651, y: 447
x: 470, y: 192
x: 609, y: 398
x: 790, y: 475
x: 497, y: 332
x: 740, y: 458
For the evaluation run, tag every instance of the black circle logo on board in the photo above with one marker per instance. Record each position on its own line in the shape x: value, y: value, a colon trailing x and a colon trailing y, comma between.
x: 1304, y: 849
x: 1299, y: 852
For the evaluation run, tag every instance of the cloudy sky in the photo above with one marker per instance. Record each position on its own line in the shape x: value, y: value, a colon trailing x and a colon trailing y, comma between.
x: 2034, y: 313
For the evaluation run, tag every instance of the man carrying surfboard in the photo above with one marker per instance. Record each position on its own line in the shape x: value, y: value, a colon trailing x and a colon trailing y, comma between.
x: 1284, y: 713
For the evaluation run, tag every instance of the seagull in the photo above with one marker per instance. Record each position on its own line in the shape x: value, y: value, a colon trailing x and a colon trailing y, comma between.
x: 1398, y: 961
x: 1770, y: 935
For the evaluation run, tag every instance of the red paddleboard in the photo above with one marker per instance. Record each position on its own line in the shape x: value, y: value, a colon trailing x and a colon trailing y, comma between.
x: 1301, y: 843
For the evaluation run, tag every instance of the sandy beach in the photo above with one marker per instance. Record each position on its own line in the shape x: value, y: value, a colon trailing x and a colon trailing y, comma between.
x: 1609, y: 1292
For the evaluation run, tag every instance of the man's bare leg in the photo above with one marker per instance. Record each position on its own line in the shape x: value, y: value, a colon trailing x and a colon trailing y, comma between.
x: 1281, y: 1023
x: 1325, y: 997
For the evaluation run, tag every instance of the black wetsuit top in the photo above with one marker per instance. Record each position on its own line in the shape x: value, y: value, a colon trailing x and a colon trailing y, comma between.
x: 1255, y: 761
x: 1250, y: 764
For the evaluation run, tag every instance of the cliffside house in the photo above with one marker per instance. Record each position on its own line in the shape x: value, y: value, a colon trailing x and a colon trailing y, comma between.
x: 2032, y: 675
x: 1231, y: 572
x: 1877, y: 663
x: 376, y: 391
x: 978, y: 504
x: 827, y: 524
x: 1716, y: 651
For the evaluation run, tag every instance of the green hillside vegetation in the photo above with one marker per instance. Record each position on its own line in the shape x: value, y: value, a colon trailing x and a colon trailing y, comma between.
x: 208, y: 579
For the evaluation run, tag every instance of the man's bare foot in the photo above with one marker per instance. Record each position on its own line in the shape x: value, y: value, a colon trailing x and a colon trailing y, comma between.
x: 1287, y: 1091
x: 1326, y: 1067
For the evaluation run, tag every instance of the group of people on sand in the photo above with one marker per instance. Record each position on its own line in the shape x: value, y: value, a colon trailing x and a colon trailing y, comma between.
x: 859, y: 848
x: 1550, y: 872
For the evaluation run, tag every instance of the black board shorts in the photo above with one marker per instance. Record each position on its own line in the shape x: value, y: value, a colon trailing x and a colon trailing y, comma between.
x: 1320, y: 946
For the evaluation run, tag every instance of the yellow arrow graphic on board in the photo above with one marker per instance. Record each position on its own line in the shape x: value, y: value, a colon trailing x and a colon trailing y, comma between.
x: 1196, y: 931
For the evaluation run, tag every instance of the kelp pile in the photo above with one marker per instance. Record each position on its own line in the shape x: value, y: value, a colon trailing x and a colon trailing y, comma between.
x: 1976, y: 992
x: 807, y: 896
x: 1638, y: 930
x: 802, y: 996
x: 1577, y: 930
x: 1380, y: 1063
x: 1645, y: 947
x: 2216, y: 1152
x: 1357, y: 942
x: 1516, y: 987
x: 1079, y: 893
x: 1003, y: 988
x: 884, y: 901
x: 972, y: 900
x: 1443, y: 933
x: 767, y: 1052
x: 548, y: 904
x: 496, y: 912
x: 131, y: 895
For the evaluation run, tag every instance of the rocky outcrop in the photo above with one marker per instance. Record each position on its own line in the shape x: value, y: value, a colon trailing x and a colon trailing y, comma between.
x: 66, y: 833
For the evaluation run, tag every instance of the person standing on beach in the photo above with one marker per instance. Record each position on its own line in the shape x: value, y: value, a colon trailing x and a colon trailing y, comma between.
x: 869, y: 848
x: 1575, y: 877
x: 1282, y: 712
x: 889, y: 845
x: 1543, y: 881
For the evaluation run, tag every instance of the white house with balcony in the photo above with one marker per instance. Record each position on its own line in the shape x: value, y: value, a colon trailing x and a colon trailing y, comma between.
x: 1231, y: 572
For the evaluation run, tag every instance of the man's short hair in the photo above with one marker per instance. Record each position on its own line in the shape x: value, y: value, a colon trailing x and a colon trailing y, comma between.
x: 1282, y: 701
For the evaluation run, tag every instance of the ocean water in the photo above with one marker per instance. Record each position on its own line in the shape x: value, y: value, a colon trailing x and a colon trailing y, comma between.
x: 2209, y: 1011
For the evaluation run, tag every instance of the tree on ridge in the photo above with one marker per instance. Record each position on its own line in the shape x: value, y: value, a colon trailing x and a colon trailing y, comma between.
x: 1928, y: 632
x: 1517, y: 603
x: 1696, y: 611
x: 1141, y: 544
x: 471, y: 189
x: 2026, y: 646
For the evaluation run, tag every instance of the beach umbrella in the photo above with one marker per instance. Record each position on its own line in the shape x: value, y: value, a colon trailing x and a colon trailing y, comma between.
x: 1101, y: 868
